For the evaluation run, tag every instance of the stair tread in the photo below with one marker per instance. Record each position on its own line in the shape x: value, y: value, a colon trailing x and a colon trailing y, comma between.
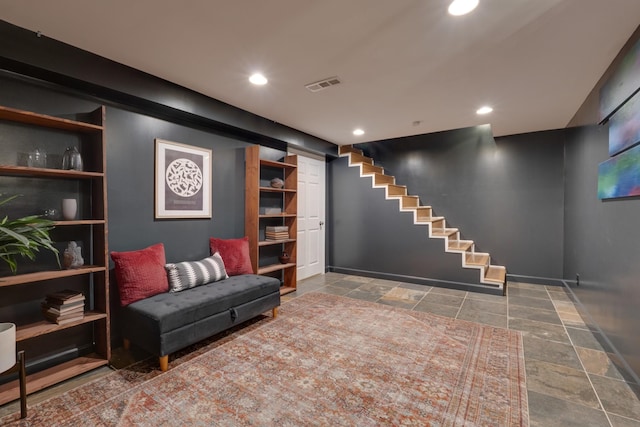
x: 460, y: 245
x: 444, y: 231
x: 496, y: 273
x: 477, y: 258
x: 431, y: 219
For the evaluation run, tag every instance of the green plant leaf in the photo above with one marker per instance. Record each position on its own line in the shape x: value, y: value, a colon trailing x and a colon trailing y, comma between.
x: 24, y: 237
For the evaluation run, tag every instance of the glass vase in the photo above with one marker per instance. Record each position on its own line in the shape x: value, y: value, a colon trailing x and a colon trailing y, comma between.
x: 71, y: 159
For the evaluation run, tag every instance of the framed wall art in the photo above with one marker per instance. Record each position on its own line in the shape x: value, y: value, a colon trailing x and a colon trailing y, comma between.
x: 624, y: 126
x: 622, y: 84
x: 619, y: 176
x: 182, y: 180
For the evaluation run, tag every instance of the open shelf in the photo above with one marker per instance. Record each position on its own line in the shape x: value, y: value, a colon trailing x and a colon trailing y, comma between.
x: 44, y: 327
x: 282, y: 215
x: 277, y: 190
x: 274, y: 164
x: 274, y: 242
x: 28, y: 117
x: 274, y: 267
x: 51, y: 376
x: 80, y: 222
x: 20, y: 279
x: 8, y: 170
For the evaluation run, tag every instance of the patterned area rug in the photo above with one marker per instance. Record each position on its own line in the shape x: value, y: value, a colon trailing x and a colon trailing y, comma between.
x: 327, y: 361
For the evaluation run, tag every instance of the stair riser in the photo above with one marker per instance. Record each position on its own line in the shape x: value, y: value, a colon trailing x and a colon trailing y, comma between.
x: 438, y: 224
x: 345, y: 149
x: 424, y: 213
x: 368, y: 169
x: 357, y: 158
x: 383, y: 179
x: 394, y: 191
x: 409, y: 202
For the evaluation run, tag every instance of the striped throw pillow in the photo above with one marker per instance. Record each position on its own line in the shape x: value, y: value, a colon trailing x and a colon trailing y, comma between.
x: 189, y: 274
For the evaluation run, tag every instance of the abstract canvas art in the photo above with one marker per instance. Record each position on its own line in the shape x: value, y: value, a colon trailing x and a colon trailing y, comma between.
x: 624, y: 126
x: 620, y: 175
x: 623, y: 83
x: 182, y: 181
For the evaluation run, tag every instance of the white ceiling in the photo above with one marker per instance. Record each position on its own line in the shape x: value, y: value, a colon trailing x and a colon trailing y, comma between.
x: 400, y: 61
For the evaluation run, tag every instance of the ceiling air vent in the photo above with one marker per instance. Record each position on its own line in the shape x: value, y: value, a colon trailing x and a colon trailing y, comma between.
x: 322, y: 84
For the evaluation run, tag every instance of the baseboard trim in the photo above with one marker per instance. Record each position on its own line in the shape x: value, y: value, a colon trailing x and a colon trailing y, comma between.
x: 417, y: 280
x: 535, y: 280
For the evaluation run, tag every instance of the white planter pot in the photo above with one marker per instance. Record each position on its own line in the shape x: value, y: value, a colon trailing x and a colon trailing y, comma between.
x: 7, y: 346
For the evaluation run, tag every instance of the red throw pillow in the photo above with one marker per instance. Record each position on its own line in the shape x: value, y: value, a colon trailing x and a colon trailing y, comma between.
x: 140, y: 274
x: 234, y: 253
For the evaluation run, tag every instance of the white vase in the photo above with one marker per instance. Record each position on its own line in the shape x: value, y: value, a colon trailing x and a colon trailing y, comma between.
x: 69, y: 209
x: 7, y: 346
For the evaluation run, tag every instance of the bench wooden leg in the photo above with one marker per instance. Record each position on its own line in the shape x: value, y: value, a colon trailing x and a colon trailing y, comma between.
x: 164, y: 363
x: 126, y: 344
x: 275, y: 312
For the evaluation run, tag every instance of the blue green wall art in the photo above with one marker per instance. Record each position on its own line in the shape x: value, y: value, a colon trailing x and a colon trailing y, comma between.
x: 623, y: 83
x: 620, y: 175
x: 624, y: 126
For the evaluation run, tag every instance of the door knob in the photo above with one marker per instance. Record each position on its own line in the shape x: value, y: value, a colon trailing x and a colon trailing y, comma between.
x: 321, y: 224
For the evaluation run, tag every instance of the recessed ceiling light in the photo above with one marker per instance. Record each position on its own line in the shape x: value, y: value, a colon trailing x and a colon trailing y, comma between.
x: 358, y: 132
x: 462, y: 7
x: 484, y: 110
x: 258, y: 79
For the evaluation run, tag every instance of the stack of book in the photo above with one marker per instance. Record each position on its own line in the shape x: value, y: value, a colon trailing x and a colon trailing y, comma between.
x: 279, y: 232
x: 63, y: 307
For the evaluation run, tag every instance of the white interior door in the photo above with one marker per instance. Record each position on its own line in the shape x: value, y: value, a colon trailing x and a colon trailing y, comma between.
x: 311, y: 211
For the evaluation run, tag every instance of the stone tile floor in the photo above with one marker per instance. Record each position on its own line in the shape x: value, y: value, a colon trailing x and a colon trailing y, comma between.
x: 572, y: 377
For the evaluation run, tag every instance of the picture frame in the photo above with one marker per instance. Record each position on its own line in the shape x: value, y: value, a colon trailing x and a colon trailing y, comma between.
x: 182, y: 181
x: 619, y: 176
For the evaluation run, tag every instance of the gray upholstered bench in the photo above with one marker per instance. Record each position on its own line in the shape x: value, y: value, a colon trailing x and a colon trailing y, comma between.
x: 167, y: 322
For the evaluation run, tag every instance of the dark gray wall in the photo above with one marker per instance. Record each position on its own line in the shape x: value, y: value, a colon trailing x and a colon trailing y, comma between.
x: 601, y: 237
x: 369, y: 235
x: 504, y: 194
x: 601, y: 244
x: 130, y: 178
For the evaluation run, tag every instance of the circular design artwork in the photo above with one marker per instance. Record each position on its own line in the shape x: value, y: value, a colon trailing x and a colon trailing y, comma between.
x: 184, y: 177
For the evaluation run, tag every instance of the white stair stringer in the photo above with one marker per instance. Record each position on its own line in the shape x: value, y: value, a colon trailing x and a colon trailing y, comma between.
x: 436, y: 226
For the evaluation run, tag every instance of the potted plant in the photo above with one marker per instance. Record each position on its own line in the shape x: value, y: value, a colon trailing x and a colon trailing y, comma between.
x: 24, y: 237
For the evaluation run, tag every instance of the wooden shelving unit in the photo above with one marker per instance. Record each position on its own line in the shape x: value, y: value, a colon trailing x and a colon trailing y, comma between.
x: 257, y: 171
x: 92, y: 278
x: 48, y: 377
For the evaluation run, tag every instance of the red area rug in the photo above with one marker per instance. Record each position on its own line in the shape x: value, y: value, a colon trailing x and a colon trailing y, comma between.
x: 326, y: 360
